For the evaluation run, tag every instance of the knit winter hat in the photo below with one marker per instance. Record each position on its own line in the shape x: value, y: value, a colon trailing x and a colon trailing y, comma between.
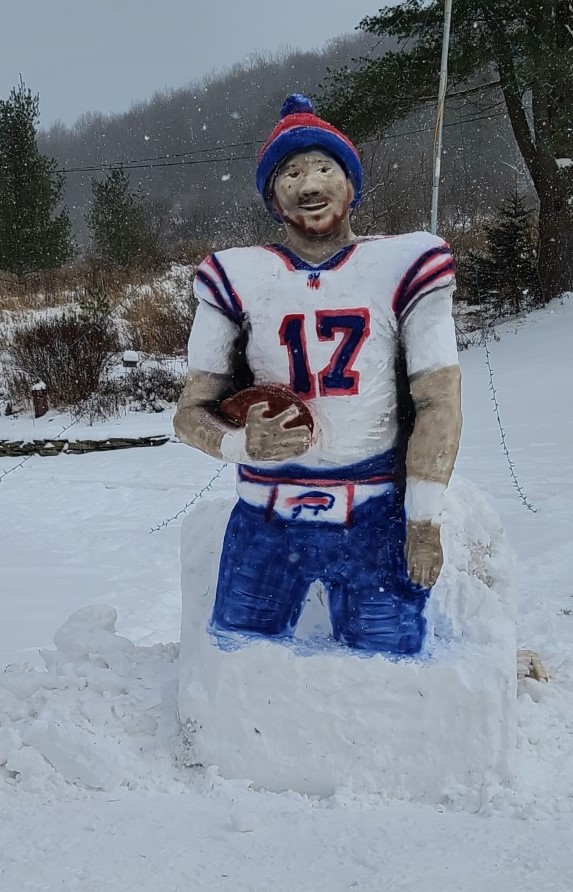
x: 300, y: 130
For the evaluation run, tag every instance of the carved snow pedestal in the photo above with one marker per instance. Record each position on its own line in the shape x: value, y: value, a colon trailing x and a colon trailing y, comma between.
x: 313, y: 716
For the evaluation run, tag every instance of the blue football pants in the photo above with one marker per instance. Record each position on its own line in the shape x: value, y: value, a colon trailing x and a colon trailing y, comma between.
x: 268, y: 564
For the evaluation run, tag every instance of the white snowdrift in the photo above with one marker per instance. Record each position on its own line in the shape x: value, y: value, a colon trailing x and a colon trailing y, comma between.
x: 102, y: 714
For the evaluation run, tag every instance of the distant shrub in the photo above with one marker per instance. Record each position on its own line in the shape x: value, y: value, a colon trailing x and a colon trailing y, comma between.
x: 158, y: 324
x: 68, y: 353
x: 69, y: 285
x: 151, y: 390
x: 501, y: 276
x: 140, y: 390
x: 109, y: 401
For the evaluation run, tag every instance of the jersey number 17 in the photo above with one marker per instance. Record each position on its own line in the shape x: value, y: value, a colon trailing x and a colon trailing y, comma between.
x: 338, y: 378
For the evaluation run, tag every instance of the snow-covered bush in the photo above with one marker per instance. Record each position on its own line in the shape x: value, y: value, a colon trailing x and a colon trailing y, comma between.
x: 109, y: 401
x: 141, y: 390
x: 68, y: 352
x: 152, y: 390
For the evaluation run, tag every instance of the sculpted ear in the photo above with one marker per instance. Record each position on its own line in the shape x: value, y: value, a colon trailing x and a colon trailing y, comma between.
x: 349, y: 191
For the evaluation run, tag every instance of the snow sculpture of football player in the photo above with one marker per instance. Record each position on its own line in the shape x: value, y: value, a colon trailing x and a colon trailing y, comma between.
x: 328, y: 315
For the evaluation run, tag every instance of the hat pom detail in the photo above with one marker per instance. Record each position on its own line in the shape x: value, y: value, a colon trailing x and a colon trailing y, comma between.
x: 296, y: 104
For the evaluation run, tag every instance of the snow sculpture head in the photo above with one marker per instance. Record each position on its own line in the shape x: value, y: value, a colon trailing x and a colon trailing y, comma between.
x: 312, y: 193
x: 300, y: 131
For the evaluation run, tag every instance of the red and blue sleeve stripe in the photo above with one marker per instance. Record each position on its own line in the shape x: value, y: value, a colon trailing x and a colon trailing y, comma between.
x: 432, y: 270
x: 214, y: 286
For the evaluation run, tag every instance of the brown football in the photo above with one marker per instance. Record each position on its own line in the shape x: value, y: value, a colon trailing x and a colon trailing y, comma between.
x: 235, y: 407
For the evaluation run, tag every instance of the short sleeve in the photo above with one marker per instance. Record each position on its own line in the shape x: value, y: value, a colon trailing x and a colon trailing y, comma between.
x: 211, y: 340
x: 428, y: 333
x: 423, y: 306
x: 213, y: 286
x: 432, y: 269
x: 217, y: 319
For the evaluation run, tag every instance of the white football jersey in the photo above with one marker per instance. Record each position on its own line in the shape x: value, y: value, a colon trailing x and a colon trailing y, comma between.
x: 331, y: 333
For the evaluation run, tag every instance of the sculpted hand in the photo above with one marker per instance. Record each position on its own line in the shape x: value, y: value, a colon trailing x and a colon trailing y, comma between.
x: 424, y: 556
x: 267, y: 439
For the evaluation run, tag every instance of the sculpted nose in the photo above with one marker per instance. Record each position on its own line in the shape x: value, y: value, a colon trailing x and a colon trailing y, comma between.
x: 308, y: 189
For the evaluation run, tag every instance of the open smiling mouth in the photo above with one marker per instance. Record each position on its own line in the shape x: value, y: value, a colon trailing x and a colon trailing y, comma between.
x: 314, y: 206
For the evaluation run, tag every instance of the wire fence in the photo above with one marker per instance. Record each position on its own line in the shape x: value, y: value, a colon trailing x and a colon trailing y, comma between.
x: 493, y: 391
x: 198, y: 495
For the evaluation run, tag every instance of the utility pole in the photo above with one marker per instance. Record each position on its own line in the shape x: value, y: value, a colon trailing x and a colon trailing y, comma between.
x: 440, y: 120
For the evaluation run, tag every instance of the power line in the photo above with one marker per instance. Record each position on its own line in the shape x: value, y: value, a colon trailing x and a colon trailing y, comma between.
x: 130, y: 165
x: 228, y: 145
x: 149, y: 164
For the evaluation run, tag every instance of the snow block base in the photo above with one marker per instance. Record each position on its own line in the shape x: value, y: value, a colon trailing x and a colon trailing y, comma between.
x: 312, y: 716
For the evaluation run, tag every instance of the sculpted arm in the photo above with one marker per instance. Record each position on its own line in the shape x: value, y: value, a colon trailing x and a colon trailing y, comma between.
x: 434, y: 443
x: 435, y: 385
x: 432, y: 451
x: 195, y: 422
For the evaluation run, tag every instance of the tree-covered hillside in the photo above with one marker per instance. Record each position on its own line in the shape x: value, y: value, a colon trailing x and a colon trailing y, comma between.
x: 192, y: 151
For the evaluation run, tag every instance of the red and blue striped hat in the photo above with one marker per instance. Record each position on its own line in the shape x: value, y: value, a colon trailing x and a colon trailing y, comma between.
x: 300, y: 130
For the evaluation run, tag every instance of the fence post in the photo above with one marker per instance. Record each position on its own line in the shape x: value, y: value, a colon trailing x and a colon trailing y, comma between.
x: 40, y: 399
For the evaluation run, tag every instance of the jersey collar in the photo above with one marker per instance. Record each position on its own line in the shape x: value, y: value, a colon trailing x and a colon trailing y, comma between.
x: 293, y: 262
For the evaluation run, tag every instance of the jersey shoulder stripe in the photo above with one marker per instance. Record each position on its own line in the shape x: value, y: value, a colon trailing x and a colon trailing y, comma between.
x: 213, y: 285
x: 432, y: 269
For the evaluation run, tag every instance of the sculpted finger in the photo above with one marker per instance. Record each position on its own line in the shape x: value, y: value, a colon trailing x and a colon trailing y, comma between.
x: 296, y: 433
x: 270, y: 449
x: 407, y: 552
x: 298, y: 448
x: 413, y: 572
x: 286, y: 415
x: 292, y: 442
x: 256, y: 411
x: 435, y: 572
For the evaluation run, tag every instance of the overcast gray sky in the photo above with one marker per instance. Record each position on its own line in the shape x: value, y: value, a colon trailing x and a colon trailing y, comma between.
x: 102, y: 55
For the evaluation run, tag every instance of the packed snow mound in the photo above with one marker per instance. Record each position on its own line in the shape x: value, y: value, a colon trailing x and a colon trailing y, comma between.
x: 102, y: 713
x: 474, y: 598
x: 309, y: 714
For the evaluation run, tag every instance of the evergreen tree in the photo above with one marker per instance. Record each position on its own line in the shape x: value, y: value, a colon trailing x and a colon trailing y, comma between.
x: 32, y: 235
x: 505, y: 274
x: 120, y: 224
x: 522, y: 48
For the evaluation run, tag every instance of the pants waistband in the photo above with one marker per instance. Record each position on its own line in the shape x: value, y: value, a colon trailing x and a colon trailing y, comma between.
x: 330, y: 504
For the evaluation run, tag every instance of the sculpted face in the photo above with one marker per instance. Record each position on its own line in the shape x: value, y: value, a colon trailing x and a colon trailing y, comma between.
x: 312, y: 193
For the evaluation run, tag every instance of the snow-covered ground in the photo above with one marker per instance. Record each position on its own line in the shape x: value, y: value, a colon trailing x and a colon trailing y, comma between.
x: 76, y: 532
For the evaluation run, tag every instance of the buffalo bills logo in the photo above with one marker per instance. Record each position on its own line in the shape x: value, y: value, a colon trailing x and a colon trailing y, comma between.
x: 312, y: 501
x: 313, y: 280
